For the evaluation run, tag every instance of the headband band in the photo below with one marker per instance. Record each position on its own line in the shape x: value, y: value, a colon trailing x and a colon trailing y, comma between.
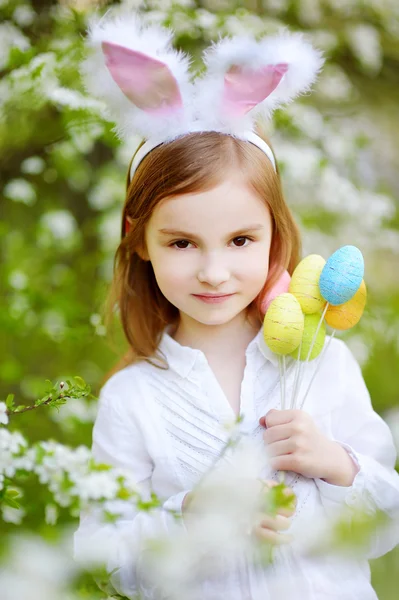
x: 248, y: 136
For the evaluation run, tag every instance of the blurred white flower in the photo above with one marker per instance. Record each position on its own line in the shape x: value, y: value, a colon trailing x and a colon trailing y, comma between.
x: 51, y: 514
x: 301, y: 162
x: 334, y: 83
x: 95, y: 486
x: 360, y: 348
x: 206, y: 19
x: 3, y: 414
x: 308, y: 119
x: 324, y: 40
x: 109, y: 229
x: 73, y: 99
x: 107, y: 192
x: 24, y: 15
x: 54, y: 324
x: 12, y: 515
x: 366, y: 46
x: 45, y: 576
x: 10, y: 37
x: 310, y: 12
x: 276, y: 6
x: 20, y: 190
x: 223, y: 511
x: 75, y: 408
x: 33, y: 165
x: 18, y: 280
x: 61, y: 223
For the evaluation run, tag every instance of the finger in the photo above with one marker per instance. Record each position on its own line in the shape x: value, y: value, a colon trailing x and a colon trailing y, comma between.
x: 277, y: 433
x: 273, y: 537
x: 281, y: 448
x: 280, y: 417
x: 269, y: 483
x: 287, y: 462
x: 277, y: 523
x: 287, y: 512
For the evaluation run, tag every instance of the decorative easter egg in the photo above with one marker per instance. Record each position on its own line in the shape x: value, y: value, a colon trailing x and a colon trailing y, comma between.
x: 305, y: 283
x: 280, y: 287
x: 349, y: 314
x: 342, y: 275
x: 283, y: 324
x: 310, y: 326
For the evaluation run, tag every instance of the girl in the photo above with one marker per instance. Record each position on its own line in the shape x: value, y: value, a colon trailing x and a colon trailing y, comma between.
x: 206, y: 234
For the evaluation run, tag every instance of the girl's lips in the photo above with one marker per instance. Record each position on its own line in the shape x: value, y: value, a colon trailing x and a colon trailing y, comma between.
x: 213, y: 298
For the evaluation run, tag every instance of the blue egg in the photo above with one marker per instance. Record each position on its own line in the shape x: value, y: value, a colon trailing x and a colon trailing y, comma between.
x: 342, y: 275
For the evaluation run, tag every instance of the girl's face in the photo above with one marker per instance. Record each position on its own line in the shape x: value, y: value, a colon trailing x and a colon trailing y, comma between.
x: 210, y: 250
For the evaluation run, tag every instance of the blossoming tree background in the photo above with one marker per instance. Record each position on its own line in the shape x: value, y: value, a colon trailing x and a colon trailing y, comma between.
x: 62, y: 187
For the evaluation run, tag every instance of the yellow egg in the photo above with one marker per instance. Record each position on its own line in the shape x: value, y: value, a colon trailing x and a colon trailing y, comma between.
x: 283, y: 324
x: 344, y: 316
x: 305, y: 284
x: 310, y: 327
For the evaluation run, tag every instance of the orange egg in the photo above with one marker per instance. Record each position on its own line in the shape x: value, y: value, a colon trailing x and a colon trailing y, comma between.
x: 345, y: 316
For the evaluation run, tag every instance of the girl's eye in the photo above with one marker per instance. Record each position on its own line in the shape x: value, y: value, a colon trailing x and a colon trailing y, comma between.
x: 240, y: 241
x: 181, y: 244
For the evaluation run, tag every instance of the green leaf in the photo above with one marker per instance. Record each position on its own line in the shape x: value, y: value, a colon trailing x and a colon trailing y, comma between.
x: 13, y: 493
x: 10, y: 501
x: 10, y: 402
x: 40, y: 454
x: 80, y: 382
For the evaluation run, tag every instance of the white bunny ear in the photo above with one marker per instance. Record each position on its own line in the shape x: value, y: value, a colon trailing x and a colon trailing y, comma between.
x: 143, y: 80
x: 246, y: 78
x: 304, y: 64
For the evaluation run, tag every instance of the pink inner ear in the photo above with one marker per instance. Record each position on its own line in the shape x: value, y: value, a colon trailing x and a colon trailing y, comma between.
x: 147, y: 82
x: 245, y: 88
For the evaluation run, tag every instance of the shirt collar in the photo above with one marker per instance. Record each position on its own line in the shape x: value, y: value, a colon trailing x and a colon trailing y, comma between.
x: 182, y: 359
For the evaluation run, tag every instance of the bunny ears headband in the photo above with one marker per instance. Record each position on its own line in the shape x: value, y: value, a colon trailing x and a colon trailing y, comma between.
x: 148, y: 89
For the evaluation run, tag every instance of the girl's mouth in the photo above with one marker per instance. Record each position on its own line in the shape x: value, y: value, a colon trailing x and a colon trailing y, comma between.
x: 213, y: 298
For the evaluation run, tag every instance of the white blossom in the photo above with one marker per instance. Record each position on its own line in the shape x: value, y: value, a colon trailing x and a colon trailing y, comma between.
x: 33, y: 165
x: 334, y: 83
x: 11, y: 37
x: 95, y: 486
x: 12, y: 515
x: 54, y: 324
x: 24, y: 15
x: 20, y: 190
x: 61, y: 223
x: 226, y: 503
x: 365, y: 43
x: 3, y: 414
x: 18, y: 280
x: 51, y: 514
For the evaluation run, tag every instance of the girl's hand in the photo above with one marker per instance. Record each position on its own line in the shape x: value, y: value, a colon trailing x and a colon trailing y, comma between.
x: 268, y: 528
x: 296, y: 444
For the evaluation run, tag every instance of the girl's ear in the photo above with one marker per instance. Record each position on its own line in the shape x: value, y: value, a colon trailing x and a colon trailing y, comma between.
x: 143, y: 254
x: 142, y: 251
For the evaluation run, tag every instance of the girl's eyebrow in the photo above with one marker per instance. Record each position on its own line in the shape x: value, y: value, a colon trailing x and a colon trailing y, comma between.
x: 185, y: 234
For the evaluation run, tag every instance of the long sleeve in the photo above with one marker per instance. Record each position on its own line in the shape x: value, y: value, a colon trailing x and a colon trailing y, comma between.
x: 118, y: 441
x: 368, y: 440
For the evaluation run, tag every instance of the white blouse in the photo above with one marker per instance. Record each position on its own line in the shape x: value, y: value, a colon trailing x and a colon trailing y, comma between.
x: 167, y: 428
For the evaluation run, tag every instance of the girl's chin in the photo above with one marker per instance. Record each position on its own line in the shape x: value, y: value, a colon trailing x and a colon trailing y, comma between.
x: 216, y: 319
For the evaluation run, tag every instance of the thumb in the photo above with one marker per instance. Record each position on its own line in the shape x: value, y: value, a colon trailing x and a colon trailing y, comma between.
x: 262, y: 422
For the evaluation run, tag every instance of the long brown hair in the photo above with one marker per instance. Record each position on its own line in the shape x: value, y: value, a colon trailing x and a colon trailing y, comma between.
x: 190, y: 164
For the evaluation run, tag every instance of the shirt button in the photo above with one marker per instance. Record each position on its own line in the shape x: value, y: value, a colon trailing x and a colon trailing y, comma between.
x: 352, y: 498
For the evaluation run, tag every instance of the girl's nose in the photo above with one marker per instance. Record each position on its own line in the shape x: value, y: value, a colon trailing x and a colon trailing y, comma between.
x: 213, y: 271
